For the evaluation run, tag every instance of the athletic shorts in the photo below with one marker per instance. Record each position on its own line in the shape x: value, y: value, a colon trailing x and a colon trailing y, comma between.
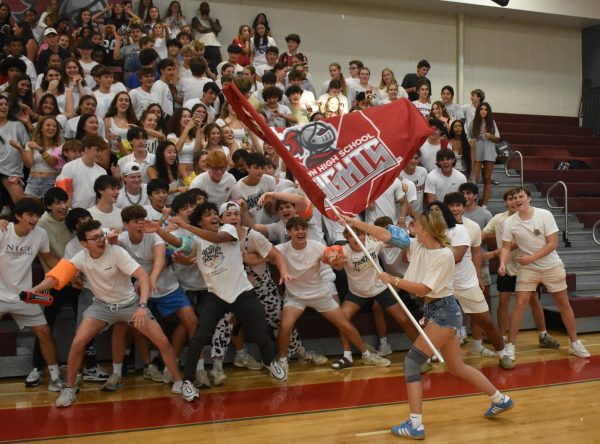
x: 321, y: 304
x: 506, y: 283
x: 25, y: 315
x: 111, y: 314
x: 444, y: 312
x: 85, y: 300
x: 471, y: 300
x: 171, y: 303
x: 554, y: 279
x: 385, y: 299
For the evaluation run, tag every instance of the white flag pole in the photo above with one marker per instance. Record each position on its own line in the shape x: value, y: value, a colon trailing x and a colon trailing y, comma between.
x: 390, y: 286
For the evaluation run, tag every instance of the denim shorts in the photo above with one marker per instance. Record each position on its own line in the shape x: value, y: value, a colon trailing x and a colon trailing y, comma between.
x: 444, y: 312
x: 38, y: 186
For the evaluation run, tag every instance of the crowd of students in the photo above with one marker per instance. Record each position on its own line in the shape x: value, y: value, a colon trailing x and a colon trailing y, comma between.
x: 122, y: 162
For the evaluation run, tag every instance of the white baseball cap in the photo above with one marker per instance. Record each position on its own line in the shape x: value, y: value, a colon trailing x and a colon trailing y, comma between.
x: 228, y: 206
x: 131, y: 168
x: 49, y: 31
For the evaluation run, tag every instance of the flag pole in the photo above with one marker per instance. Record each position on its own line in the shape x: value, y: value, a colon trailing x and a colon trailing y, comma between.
x: 390, y: 286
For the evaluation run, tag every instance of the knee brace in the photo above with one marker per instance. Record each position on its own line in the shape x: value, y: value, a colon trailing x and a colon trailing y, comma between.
x: 413, y: 362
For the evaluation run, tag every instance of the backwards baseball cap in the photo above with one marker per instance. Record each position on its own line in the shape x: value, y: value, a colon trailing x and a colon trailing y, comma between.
x: 131, y: 168
x: 49, y: 31
x: 228, y: 206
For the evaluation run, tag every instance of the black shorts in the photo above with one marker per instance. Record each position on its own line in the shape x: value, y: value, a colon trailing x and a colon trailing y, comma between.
x: 385, y: 299
x: 506, y: 283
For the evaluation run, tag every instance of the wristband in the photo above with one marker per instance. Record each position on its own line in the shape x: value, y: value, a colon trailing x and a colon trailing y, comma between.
x: 142, y: 305
x: 45, y: 155
x: 397, y: 282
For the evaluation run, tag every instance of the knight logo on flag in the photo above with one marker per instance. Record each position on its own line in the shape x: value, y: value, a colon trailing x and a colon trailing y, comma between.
x: 347, y: 161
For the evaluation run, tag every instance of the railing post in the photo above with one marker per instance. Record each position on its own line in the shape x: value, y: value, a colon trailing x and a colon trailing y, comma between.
x: 521, y: 172
x: 565, y: 232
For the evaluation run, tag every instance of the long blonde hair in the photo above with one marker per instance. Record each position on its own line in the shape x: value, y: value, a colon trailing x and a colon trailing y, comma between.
x: 38, y: 137
x: 433, y: 222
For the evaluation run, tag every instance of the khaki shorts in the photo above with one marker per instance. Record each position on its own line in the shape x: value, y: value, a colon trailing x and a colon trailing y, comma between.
x: 320, y: 304
x: 555, y: 278
x: 485, y: 275
x: 25, y: 315
x: 471, y: 300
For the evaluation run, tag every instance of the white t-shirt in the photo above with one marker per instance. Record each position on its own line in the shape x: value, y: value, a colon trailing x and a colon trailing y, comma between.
x: 141, y: 100
x: 83, y: 181
x: 152, y: 214
x: 530, y: 236
x: 441, y: 185
x: 17, y: 253
x: 222, y: 266
x: 108, y: 220
x: 87, y: 69
x: 255, y: 242
x: 432, y: 268
x: 275, y: 121
x: 252, y: 193
x: 362, y: 276
x: 305, y: 266
x: 103, y: 100
x: 109, y: 276
x: 189, y: 276
x: 424, y: 108
x: 189, y: 104
x: 143, y: 164
x: 260, y: 53
x: 428, y: 153
x: 465, y: 275
x: 126, y: 199
x: 143, y: 254
x: 218, y: 193
x: 387, y: 204
x: 192, y: 87
x: 418, y: 178
x: 161, y: 90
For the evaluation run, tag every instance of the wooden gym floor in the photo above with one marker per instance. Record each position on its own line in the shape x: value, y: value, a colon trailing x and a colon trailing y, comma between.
x: 556, y: 398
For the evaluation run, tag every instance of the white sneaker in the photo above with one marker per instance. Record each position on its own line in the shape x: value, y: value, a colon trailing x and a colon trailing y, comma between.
x: 311, y: 357
x: 167, y: 377
x: 462, y: 335
x: 66, y: 398
x: 202, y: 379
x: 187, y: 390
x: 385, y: 349
x: 576, y: 348
x: 375, y: 360
x: 112, y: 383
x: 277, y: 371
x: 96, y: 374
x: 484, y: 352
x: 246, y: 360
x: 34, y: 378
x: 218, y: 376
x: 509, y: 350
x: 284, y: 364
x: 56, y: 385
x: 152, y: 372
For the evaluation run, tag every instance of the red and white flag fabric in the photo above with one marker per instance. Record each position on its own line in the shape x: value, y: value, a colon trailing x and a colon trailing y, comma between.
x: 348, y: 160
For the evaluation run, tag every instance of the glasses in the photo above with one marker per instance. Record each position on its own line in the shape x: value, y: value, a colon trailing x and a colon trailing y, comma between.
x: 97, y: 238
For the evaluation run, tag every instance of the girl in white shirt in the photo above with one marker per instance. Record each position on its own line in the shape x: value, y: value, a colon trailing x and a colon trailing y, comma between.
x: 429, y: 275
x: 119, y: 117
x: 186, y: 133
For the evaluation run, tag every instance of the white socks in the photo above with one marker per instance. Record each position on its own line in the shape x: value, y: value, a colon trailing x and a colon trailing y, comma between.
x: 348, y: 355
x: 54, y: 372
x: 416, y: 419
x: 498, y: 398
x: 117, y: 368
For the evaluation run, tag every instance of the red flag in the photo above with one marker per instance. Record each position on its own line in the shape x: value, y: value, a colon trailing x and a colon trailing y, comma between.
x: 349, y: 160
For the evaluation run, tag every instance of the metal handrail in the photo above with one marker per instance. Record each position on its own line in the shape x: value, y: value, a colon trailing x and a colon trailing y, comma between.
x: 508, y: 159
x: 565, y: 207
x: 596, y: 225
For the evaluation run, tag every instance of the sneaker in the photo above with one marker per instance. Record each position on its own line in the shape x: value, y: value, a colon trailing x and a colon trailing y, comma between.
x: 547, y: 341
x: 385, y: 349
x: 167, y: 377
x: 506, y: 362
x: 462, y: 336
x: 311, y: 357
x: 78, y: 380
x: 152, y: 372
x: 509, y: 350
x: 56, y: 385
x: 112, y: 383
x: 34, y: 378
x: 496, y: 409
x: 96, y: 374
x: 202, y: 380
x: 187, y: 390
x: 218, y: 376
x: 576, y: 348
x: 246, y: 360
x: 66, y: 398
x: 284, y: 364
x: 406, y: 430
x: 375, y: 360
x: 277, y: 372
x: 484, y: 353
